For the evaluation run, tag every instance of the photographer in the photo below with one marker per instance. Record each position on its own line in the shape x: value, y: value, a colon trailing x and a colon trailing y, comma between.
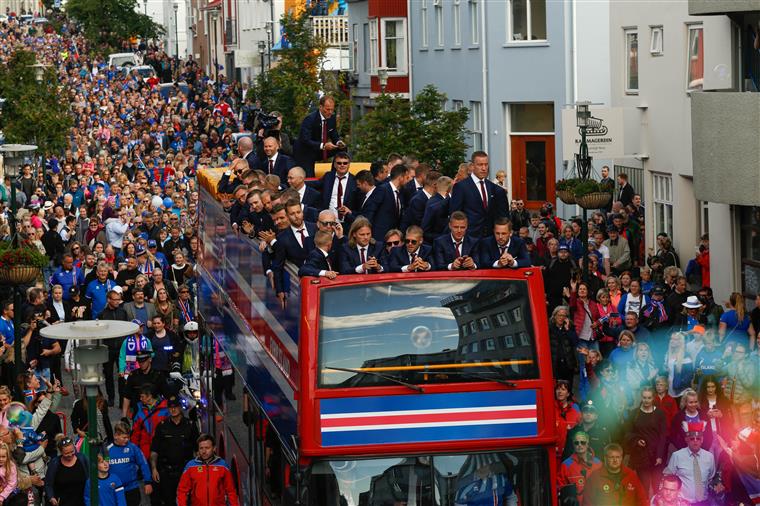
x: 270, y: 125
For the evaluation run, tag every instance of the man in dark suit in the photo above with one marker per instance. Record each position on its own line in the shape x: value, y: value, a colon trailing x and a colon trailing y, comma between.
x: 435, y: 219
x: 413, y: 256
x: 320, y: 262
x: 385, y: 210
x: 626, y: 191
x: 607, y: 181
x: 339, y: 186
x: 318, y: 137
x: 246, y: 152
x: 365, y: 185
x: 416, y: 183
x: 456, y: 250
x: 274, y: 162
x: 307, y: 195
x: 503, y: 249
x: 479, y: 198
x: 226, y: 184
x: 361, y: 254
x: 293, y: 244
x: 416, y: 208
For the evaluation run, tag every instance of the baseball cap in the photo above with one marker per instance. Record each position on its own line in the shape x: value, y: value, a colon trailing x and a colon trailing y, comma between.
x: 143, y: 355
x: 563, y: 247
x: 589, y: 406
x: 152, y: 243
x: 173, y: 402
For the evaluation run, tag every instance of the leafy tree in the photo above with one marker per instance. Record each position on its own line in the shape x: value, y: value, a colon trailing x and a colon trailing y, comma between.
x: 33, y: 112
x: 421, y: 127
x: 107, y: 23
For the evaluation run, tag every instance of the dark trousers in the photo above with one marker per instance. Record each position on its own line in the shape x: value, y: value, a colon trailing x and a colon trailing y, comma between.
x: 167, y: 488
x: 133, y: 497
x: 108, y: 372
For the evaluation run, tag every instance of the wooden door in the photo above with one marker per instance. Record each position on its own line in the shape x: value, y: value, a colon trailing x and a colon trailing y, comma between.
x: 533, y: 171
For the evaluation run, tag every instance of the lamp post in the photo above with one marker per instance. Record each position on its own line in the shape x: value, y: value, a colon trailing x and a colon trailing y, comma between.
x: 382, y: 78
x: 270, y: 43
x: 583, y: 164
x: 145, y: 5
x: 262, y: 50
x: 13, y: 159
x: 90, y: 355
x: 214, y: 16
x: 176, y: 31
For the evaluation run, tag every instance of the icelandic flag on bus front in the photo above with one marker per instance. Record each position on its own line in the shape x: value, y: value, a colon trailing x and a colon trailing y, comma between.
x: 424, y: 418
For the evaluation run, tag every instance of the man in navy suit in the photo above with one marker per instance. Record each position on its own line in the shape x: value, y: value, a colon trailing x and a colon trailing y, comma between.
x: 479, y: 198
x: 293, y: 244
x: 456, y: 250
x: 319, y: 137
x: 320, y: 262
x: 361, y: 254
x: 413, y: 256
x: 435, y: 219
x: 385, y: 210
x: 307, y: 195
x: 274, y: 162
x: 416, y: 208
x: 339, y: 186
x: 363, y: 198
x: 503, y: 249
x: 419, y: 172
x: 246, y: 152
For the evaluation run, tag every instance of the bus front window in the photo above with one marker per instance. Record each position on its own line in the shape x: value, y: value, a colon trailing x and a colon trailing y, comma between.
x: 434, y: 331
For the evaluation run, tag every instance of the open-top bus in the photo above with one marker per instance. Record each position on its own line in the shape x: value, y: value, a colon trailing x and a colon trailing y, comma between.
x: 424, y: 389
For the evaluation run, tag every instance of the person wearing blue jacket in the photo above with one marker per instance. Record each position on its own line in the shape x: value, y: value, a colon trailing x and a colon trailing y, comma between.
x: 110, y: 488
x: 128, y: 463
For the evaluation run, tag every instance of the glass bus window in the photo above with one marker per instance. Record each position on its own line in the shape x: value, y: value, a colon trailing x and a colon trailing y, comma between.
x: 436, y: 331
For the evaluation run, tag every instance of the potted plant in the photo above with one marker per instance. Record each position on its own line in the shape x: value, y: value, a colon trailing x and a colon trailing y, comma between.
x: 564, y: 189
x: 20, y: 264
x: 590, y: 195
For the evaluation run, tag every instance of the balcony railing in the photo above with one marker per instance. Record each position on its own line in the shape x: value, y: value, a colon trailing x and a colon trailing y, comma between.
x: 332, y: 30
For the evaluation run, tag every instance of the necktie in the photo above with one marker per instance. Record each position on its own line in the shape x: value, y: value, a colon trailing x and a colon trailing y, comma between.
x: 413, y: 257
x: 458, y: 247
x: 483, y: 194
x: 363, y: 257
x: 329, y: 265
x: 502, y: 249
x: 324, y: 139
x: 340, y: 190
x: 271, y: 165
x: 303, y: 237
x: 698, y: 485
x: 398, y: 204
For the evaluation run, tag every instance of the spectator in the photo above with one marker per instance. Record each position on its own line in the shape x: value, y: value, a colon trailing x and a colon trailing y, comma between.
x: 669, y: 492
x: 576, y: 468
x: 110, y: 487
x: 614, y: 483
x: 694, y: 465
x: 151, y: 410
x: 66, y: 476
x: 129, y: 465
x: 568, y: 413
x: 206, y: 478
x: 646, y: 439
x: 690, y: 412
x: 562, y: 340
x: 735, y: 324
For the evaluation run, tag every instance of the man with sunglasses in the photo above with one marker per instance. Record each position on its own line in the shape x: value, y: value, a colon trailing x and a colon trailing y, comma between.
x: 413, y: 256
x: 338, y: 187
x: 575, y: 470
x: 694, y: 465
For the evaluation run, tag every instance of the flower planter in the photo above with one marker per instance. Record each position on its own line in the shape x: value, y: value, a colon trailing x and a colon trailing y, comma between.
x: 566, y: 196
x: 19, y: 274
x: 594, y: 200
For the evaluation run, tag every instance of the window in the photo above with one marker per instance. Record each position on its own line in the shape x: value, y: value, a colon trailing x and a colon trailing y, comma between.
x: 457, y: 104
x: 485, y: 324
x: 524, y: 339
x: 477, y: 126
x: 423, y: 24
x: 527, y: 20
x: 438, y: 11
x: 394, y: 45
x: 373, y: 46
x: 465, y: 329
x: 509, y: 341
x: 501, y: 319
x: 354, y: 45
x: 655, y: 41
x: 490, y: 345
x: 695, y: 61
x: 631, y: 61
x: 663, y: 203
x: 456, y: 16
x: 473, y: 327
x: 474, y: 23
x: 517, y: 314
x: 531, y: 118
x: 365, y: 49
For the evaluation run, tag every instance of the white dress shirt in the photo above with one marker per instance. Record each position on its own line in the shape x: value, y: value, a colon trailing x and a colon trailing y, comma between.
x: 506, y: 250
x: 681, y: 464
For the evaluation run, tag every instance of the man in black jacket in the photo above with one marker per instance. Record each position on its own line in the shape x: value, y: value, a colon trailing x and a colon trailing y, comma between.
x: 113, y: 311
x: 53, y: 243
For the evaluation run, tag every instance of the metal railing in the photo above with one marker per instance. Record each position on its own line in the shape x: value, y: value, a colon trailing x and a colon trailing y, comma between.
x: 332, y: 30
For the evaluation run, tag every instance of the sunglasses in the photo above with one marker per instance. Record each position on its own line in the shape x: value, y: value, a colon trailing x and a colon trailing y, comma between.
x: 328, y: 223
x: 580, y: 443
x: 412, y: 241
x: 342, y: 163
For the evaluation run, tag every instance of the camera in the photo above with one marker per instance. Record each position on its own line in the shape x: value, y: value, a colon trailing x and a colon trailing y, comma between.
x: 267, y: 121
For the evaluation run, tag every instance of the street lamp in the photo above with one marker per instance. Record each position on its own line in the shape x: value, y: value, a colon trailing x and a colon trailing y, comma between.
x: 176, y: 31
x: 39, y: 71
x: 13, y: 160
x: 145, y: 5
x: 583, y: 162
x: 214, y: 16
x: 90, y: 355
x: 382, y: 78
x: 262, y: 50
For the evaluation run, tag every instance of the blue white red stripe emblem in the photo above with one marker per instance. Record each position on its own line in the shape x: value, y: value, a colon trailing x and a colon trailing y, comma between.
x: 428, y: 418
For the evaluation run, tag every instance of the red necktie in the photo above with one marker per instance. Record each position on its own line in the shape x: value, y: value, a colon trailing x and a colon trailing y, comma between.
x: 483, y: 194
x: 458, y: 247
x: 361, y: 253
x: 340, y: 190
x: 271, y: 165
x: 324, y: 139
x: 303, y: 237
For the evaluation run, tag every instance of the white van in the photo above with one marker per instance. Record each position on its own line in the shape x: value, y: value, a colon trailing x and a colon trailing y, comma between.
x: 123, y: 60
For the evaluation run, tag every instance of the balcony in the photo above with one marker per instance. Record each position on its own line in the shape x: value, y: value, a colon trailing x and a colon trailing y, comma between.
x: 726, y: 147
x: 333, y: 31
x: 706, y: 7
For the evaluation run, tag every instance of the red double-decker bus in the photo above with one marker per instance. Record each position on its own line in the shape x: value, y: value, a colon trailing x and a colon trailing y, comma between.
x: 425, y: 389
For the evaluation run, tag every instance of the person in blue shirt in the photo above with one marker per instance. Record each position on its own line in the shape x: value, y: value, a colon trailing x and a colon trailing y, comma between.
x: 153, y: 250
x: 7, y: 328
x: 98, y: 289
x: 128, y: 463
x: 110, y: 487
x: 66, y: 275
x: 623, y: 354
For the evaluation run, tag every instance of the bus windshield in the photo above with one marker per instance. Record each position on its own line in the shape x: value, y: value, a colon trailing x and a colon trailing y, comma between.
x: 426, y: 331
x: 506, y: 478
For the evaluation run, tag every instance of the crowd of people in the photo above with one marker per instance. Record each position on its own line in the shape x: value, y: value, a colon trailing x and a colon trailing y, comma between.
x: 116, y: 214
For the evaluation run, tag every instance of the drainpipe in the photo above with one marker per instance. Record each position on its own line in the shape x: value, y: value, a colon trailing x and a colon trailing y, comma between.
x: 410, y: 53
x: 484, y: 56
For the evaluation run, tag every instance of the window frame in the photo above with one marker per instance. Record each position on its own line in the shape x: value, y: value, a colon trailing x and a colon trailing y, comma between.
x: 439, y: 25
x: 627, y: 33
x: 374, y: 41
x: 474, y: 12
x: 457, y: 105
x: 405, y: 46
x: 662, y: 200
x: 456, y: 19
x: 656, y: 40
x: 423, y: 25
x: 693, y: 27
x: 476, y: 117
x: 529, y: 25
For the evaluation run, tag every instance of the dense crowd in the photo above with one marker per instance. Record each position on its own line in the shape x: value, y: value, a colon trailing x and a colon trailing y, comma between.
x: 116, y: 214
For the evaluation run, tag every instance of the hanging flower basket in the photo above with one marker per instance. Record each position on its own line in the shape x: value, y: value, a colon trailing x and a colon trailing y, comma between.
x: 566, y: 196
x: 593, y: 200
x: 19, y: 274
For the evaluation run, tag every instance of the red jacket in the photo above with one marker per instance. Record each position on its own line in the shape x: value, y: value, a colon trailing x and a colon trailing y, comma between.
x: 623, y: 489
x: 207, y: 484
x: 579, y: 313
x: 574, y: 471
x: 145, y: 423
